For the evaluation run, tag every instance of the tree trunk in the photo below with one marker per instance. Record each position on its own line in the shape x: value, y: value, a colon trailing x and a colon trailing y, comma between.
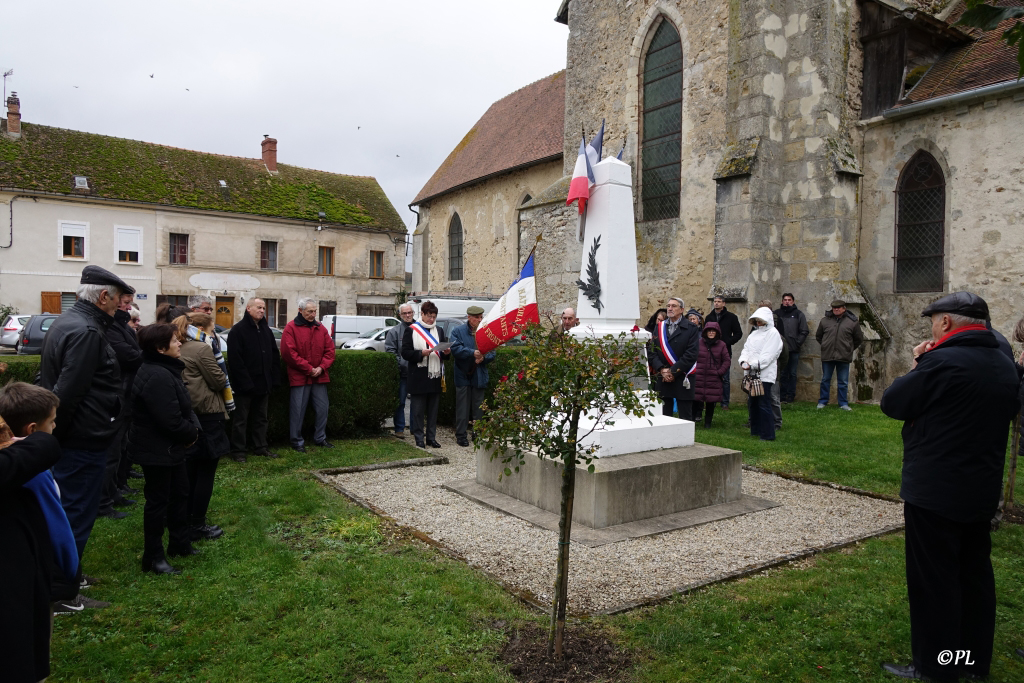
x: 556, y: 635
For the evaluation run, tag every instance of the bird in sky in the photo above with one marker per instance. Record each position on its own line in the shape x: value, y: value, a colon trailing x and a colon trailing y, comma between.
x: 396, y: 155
x: 187, y: 90
x: 151, y: 75
x: 74, y: 86
x: 358, y: 127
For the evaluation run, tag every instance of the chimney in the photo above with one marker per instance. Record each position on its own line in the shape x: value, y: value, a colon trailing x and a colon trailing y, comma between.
x: 14, y: 116
x: 269, y: 145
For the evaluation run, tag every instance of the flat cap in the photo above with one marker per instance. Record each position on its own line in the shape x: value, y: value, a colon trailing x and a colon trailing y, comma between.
x: 474, y: 310
x: 838, y: 303
x: 94, y: 275
x: 959, y: 303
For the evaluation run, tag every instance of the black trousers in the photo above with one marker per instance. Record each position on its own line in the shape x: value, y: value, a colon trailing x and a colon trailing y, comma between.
x: 424, y: 406
x: 201, y: 473
x: 685, y: 408
x: 707, y: 409
x: 952, y: 593
x: 166, y: 508
x: 249, y: 415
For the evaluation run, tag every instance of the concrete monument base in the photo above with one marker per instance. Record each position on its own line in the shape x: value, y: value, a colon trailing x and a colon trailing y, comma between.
x: 625, y: 488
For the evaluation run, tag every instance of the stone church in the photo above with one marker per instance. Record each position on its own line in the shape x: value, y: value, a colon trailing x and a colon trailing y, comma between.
x: 869, y: 150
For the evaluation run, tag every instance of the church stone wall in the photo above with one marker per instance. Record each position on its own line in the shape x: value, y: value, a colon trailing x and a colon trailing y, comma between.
x: 978, y: 147
x: 489, y: 215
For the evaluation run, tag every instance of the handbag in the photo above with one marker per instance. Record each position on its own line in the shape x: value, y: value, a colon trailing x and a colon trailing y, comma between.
x: 752, y: 383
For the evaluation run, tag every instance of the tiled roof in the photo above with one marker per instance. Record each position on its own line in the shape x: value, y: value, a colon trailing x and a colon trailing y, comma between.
x: 518, y: 130
x: 986, y: 61
x: 47, y: 159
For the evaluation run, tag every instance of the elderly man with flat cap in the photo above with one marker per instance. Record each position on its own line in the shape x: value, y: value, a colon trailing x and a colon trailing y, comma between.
x: 956, y: 405
x: 78, y: 364
x: 470, y: 374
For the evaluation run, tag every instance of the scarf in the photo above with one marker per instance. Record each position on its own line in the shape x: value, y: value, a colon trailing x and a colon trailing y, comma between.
x: 425, y: 337
x: 196, y: 334
x: 65, y: 552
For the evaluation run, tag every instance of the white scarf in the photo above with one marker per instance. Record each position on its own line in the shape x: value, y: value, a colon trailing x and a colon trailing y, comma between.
x: 433, y: 361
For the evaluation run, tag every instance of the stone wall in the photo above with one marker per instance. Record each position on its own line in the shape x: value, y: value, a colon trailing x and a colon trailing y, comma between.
x: 489, y: 212
x: 978, y: 147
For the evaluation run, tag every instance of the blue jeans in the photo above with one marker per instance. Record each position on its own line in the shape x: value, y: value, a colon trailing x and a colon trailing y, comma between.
x: 80, y: 475
x: 300, y: 397
x: 400, y: 413
x: 788, y: 389
x: 842, y: 371
x: 762, y: 420
x: 726, y: 384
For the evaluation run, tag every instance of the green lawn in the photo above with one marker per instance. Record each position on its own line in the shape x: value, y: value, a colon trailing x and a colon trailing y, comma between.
x: 308, y: 587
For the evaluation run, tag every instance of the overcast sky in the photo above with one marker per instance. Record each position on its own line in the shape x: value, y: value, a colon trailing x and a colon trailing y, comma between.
x: 384, y: 89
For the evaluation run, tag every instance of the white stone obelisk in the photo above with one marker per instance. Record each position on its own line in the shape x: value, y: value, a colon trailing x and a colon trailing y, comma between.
x: 611, y: 227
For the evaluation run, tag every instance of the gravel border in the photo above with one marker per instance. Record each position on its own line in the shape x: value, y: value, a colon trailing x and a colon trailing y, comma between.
x: 813, y: 518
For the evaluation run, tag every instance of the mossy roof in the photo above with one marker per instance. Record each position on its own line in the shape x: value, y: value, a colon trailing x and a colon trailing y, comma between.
x: 47, y: 159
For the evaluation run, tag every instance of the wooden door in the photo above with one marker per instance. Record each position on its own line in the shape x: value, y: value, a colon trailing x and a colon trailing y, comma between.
x: 225, y: 311
x: 49, y: 302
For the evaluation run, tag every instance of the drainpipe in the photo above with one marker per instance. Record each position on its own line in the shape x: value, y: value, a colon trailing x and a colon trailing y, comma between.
x: 986, y: 92
x: 10, y: 240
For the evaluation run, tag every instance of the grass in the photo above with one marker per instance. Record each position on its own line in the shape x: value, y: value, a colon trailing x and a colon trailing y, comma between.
x: 306, y: 586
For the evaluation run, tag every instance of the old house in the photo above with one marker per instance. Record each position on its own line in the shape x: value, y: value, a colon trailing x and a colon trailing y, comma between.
x: 865, y: 149
x: 173, y: 222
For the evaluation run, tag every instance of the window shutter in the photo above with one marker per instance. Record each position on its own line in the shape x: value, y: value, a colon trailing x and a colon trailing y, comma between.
x: 282, y: 313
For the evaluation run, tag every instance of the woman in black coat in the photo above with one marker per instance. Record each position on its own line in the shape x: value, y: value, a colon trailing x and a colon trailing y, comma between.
x: 27, y: 561
x: 163, y: 425
x: 426, y: 369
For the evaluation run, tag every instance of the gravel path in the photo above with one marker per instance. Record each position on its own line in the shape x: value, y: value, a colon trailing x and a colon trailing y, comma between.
x: 615, y: 575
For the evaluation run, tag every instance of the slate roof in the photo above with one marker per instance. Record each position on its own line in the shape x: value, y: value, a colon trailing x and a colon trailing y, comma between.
x: 519, y: 130
x: 985, y: 61
x: 47, y: 159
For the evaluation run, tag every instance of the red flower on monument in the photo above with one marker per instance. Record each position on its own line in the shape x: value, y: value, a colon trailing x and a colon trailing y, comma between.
x: 504, y: 378
x: 519, y: 376
x: 635, y: 329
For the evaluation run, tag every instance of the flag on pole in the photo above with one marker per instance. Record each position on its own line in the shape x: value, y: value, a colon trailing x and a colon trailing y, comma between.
x: 582, y: 176
x: 595, y: 147
x: 511, y: 313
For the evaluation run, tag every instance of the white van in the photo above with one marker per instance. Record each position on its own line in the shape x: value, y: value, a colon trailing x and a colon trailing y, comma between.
x: 343, y: 327
x: 449, y: 306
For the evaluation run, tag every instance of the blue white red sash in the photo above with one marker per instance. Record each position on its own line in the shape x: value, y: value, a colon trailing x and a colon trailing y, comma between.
x: 666, y: 349
x: 424, y: 334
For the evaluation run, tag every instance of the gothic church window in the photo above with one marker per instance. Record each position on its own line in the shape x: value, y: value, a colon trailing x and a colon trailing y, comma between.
x: 455, y: 248
x: 920, y: 225
x: 662, y: 123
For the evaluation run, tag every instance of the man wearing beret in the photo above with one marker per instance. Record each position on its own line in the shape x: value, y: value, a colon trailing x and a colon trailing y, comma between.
x: 470, y: 374
x: 78, y: 364
x: 839, y: 334
x: 956, y: 405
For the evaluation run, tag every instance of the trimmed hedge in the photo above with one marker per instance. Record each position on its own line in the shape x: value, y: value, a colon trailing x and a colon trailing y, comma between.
x: 363, y: 393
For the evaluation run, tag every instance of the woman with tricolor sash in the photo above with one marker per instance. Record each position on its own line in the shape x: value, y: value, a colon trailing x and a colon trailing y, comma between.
x: 672, y: 356
x: 426, y: 374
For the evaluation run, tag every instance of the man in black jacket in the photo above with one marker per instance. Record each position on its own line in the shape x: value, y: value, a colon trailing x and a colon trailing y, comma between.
x: 672, y: 354
x: 956, y: 403
x: 731, y: 334
x: 794, y: 331
x: 254, y: 368
x: 78, y: 364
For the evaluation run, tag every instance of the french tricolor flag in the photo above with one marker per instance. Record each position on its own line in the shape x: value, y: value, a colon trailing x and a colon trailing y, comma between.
x: 511, y: 313
x: 582, y: 177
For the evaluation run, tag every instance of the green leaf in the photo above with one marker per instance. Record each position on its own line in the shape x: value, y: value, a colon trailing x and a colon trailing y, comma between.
x: 987, y: 17
x: 590, y: 469
x: 508, y: 472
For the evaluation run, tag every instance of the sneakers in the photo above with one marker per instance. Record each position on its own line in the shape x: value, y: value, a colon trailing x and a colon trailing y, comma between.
x: 820, y: 406
x: 88, y: 582
x: 845, y: 408
x: 77, y: 604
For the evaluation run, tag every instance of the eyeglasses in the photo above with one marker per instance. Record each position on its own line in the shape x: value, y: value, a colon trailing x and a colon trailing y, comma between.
x: 206, y: 309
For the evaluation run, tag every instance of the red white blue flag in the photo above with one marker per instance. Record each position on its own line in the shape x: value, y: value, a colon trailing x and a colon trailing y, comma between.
x: 594, y: 148
x: 511, y: 313
x: 582, y: 177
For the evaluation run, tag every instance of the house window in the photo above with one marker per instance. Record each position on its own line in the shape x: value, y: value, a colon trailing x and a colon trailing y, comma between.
x: 129, y: 245
x: 282, y: 313
x: 376, y: 264
x: 662, y: 122
x: 74, y: 240
x: 172, y: 299
x: 271, y: 311
x: 920, y: 225
x: 327, y: 308
x: 519, y: 231
x: 179, y: 248
x: 268, y: 255
x: 325, y: 262
x: 455, y: 248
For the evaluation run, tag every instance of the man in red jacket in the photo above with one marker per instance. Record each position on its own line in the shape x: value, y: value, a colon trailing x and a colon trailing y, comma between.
x: 308, y: 350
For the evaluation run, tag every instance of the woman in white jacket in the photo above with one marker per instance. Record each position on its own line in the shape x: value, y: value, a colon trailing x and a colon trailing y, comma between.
x: 760, y: 353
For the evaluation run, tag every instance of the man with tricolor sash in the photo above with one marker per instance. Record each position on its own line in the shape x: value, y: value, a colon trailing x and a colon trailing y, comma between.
x: 672, y: 354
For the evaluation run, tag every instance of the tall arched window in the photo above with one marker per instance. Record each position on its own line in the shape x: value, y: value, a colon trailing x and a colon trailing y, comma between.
x: 519, y: 232
x: 455, y: 248
x: 920, y: 225
x: 662, y: 124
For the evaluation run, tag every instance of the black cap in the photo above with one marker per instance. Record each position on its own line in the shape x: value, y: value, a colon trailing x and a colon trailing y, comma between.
x: 94, y: 275
x: 959, y: 303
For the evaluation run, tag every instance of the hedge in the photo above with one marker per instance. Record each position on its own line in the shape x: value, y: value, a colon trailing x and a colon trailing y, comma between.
x: 363, y: 393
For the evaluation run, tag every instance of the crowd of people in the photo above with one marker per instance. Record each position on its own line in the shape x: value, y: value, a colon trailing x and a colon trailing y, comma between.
x: 112, y: 394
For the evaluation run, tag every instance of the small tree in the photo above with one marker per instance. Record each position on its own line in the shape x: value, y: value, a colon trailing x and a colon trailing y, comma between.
x: 537, y: 409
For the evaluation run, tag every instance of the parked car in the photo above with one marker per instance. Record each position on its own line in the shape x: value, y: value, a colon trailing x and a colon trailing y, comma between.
x: 33, y: 332
x: 11, y: 335
x: 345, y: 327
x: 368, y: 341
